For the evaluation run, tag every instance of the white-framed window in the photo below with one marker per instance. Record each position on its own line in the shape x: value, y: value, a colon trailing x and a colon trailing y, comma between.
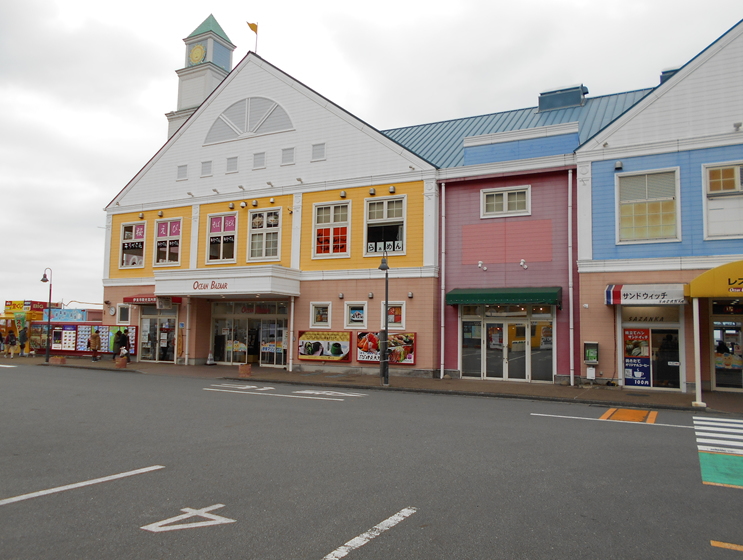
x: 385, y: 225
x: 647, y: 207
x: 287, y: 156
x: 222, y: 240
x: 318, y: 152
x: 259, y: 160
x: 723, y: 201
x: 264, y: 234
x: 354, y: 316
x: 123, y: 314
x: 332, y: 230
x: 182, y: 173
x: 168, y: 242
x: 395, y: 315
x: 508, y: 201
x: 206, y: 168
x: 132, y: 245
x: 320, y: 315
x: 231, y: 166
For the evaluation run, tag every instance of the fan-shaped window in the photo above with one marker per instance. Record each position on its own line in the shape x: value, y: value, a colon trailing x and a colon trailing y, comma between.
x: 249, y: 117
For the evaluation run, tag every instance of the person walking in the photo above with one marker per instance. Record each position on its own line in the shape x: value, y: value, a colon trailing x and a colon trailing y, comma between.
x: 117, y: 345
x: 10, y: 343
x: 22, y: 339
x: 125, y: 344
x: 95, y: 344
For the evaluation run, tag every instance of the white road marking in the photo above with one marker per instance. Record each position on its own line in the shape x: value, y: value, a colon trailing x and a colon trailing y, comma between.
x: 78, y: 485
x: 726, y: 429
x: 375, y: 531
x: 617, y: 421
x: 244, y: 387
x: 726, y: 450
x: 3, y: 365
x: 722, y: 435
x: 272, y: 395
x: 168, y: 524
x: 329, y: 393
x: 723, y: 441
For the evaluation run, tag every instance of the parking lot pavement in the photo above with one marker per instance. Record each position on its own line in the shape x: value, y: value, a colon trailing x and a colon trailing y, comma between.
x: 587, y: 394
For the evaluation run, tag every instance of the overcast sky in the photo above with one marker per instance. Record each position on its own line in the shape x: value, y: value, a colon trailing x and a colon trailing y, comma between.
x: 85, y: 85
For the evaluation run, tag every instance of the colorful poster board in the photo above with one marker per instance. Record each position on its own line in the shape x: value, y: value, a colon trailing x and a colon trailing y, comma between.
x: 328, y: 346
x: 637, y: 357
x: 401, y: 347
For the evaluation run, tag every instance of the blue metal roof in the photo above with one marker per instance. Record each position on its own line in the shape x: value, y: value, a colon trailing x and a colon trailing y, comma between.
x: 442, y: 143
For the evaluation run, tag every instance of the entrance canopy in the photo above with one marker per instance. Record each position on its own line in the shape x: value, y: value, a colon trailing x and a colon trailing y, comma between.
x: 505, y: 296
x: 724, y: 281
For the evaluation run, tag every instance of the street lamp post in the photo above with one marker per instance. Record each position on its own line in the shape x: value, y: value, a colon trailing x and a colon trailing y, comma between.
x: 384, y: 363
x: 48, y: 313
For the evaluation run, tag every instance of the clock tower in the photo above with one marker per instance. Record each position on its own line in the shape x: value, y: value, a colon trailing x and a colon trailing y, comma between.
x: 208, y: 61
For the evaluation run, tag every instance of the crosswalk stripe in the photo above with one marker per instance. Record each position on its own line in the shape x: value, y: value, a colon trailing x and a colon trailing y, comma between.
x: 718, y: 422
x: 727, y: 450
x: 723, y: 441
x: 718, y: 434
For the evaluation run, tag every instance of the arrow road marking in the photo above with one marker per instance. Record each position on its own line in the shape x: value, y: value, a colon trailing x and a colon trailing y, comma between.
x: 168, y: 524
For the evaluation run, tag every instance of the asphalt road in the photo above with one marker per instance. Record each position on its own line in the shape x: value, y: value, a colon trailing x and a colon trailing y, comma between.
x: 288, y: 472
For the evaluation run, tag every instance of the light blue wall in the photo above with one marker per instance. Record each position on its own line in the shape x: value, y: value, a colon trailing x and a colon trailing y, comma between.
x: 522, y: 149
x: 221, y: 56
x: 691, y: 192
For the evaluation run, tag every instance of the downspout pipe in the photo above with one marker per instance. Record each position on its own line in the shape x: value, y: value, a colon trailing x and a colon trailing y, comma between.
x: 442, y: 276
x: 570, y: 278
x: 291, y: 336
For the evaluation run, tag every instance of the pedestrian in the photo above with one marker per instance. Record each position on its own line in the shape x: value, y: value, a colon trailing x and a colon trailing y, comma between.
x: 2, y: 341
x: 95, y: 344
x: 117, y: 345
x: 22, y: 339
x: 10, y: 343
x: 125, y: 344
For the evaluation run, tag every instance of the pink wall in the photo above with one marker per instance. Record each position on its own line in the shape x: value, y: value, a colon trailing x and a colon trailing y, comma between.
x: 500, y: 243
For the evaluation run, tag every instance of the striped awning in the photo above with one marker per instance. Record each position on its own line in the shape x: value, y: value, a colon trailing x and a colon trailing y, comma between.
x: 645, y: 294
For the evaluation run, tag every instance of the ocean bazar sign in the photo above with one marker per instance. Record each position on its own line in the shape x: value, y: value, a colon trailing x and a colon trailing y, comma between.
x: 401, y: 347
x: 325, y: 346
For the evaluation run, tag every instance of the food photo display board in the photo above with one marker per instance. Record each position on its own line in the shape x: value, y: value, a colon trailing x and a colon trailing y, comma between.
x: 327, y: 346
x: 401, y: 347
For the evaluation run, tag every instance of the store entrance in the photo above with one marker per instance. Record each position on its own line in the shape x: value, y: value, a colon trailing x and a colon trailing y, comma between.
x: 506, y: 351
x: 157, y: 339
x: 727, y: 352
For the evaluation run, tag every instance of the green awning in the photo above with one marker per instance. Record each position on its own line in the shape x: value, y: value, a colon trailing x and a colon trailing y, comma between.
x: 505, y: 296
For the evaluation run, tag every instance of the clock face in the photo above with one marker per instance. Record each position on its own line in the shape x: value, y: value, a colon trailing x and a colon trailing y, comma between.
x: 197, y: 54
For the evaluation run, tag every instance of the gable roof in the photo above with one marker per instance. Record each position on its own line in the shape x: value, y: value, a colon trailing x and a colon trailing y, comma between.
x: 442, y: 143
x: 210, y: 24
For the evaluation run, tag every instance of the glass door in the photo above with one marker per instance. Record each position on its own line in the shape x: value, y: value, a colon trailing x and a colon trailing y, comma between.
x: 222, y: 334
x: 507, y: 351
x: 471, y: 349
x: 166, y: 339
x: 273, y: 348
x: 728, y: 354
x: 494, y: 352
x: 148, y: 339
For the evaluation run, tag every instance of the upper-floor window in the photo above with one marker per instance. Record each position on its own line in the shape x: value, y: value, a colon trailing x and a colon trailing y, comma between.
x: 259, y: 160
x: 265, y: 227
x: 206, y: 168
x: 648, y: 209
x: 168, y: 242
x: 231, y: 165
x: 320, y: 315
x: 385, y: 225
x: 318, y: 152
x: 727, y: 179
x: 287, y: 156
x: 222, y: 230
x: 132, y: 245
x: 724, y: 200
x: 331, y: 229
x: 510, y: 201
x: 249, y: 117
x: 182, y: 173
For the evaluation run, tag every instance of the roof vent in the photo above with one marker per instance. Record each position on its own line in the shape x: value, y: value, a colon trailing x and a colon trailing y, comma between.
x: 572, y: 96
x: 667, y: 73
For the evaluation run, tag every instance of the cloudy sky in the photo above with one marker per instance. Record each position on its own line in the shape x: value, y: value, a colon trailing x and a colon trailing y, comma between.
x: 85, y: 85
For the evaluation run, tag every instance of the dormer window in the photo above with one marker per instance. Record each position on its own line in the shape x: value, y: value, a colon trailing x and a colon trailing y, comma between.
x: 249, y: 117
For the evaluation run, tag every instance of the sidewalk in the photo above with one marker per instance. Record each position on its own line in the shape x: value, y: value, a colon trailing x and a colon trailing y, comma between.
x: 605, y: 396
